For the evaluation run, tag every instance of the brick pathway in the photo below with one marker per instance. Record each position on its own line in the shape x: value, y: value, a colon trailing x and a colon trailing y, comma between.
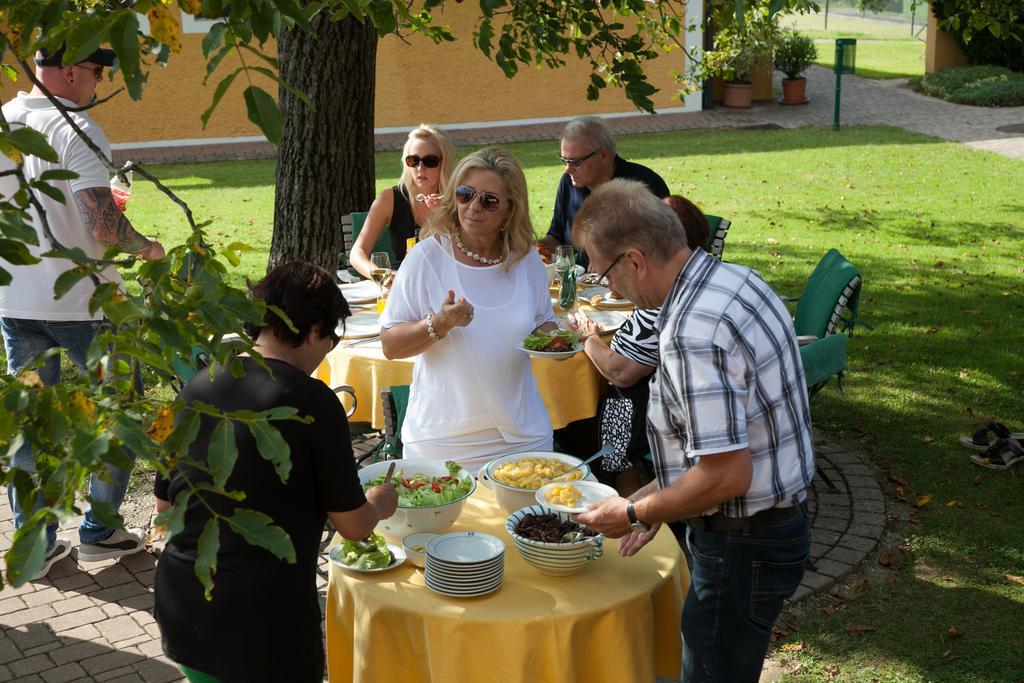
x: 95, y: 622
x: 865, y: 102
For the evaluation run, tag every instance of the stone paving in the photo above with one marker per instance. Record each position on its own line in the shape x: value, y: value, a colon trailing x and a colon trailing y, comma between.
x: 95, y: 622
x: 864, y: 102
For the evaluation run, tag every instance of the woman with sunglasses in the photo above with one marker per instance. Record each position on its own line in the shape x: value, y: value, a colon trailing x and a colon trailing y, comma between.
x: 470, y: 291
x: 427, y: 160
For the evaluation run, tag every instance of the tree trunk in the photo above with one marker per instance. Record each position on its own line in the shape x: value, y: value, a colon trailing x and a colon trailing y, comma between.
x: 325, y: 164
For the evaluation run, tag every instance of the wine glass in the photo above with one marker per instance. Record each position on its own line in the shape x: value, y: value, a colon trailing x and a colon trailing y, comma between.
x: 380, y: 272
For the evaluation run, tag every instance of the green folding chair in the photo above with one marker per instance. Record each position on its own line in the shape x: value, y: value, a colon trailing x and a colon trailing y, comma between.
x: 395, y: 402
x: 715, y: 243
x: 351, y: 226
x: 830, y: 300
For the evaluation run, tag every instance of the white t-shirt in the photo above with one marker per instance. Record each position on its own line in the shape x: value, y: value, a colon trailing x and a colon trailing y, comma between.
x: 475, y: 378
x: 30, y: 294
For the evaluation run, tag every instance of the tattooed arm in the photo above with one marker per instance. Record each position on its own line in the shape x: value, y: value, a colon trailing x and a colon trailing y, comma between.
x: 110, y: 226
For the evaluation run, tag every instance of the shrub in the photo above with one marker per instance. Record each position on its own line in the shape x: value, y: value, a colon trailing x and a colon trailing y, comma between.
x: 982, y: 46
x: 982, y: 86
x: 794, y: 53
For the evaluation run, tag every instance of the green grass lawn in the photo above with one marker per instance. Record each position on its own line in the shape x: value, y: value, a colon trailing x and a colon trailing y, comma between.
x: 880, y: 58
x: 937, y: 231
x: 840, y: 26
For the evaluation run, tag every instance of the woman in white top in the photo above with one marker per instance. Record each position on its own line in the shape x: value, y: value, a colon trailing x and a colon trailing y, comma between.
x: 470, y: 291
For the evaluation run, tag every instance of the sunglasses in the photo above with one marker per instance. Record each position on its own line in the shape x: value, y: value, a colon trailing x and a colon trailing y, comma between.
x: 574, y: 163
x: 429, y: 161
x: 488, y: 201
x: 97, y: 71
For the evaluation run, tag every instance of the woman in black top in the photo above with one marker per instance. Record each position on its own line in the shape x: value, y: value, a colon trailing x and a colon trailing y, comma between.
x: 428, y: 159
x: 264, y: 621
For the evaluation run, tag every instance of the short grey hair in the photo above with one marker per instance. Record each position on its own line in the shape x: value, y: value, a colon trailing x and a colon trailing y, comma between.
x: 623, y: 214
x: 592, y: 130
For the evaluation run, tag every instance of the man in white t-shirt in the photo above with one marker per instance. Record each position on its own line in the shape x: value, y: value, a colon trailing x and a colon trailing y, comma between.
x: 31, y: 319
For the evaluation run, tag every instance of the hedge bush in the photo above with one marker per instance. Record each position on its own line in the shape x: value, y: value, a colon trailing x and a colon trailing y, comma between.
x: 982, y: 86
x: 983, y: 47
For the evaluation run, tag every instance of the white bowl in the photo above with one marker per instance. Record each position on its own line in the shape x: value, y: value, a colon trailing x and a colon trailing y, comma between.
x: 405, y: 521
x: 415, y: 546
x: 553, y: 559
x: 512, y: 498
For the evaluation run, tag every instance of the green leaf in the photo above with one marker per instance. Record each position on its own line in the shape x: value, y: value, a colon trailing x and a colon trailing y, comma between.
x: 58, y: 174
x: 214, y: 38
x: 263, y: 111
x: 129, y: 432
x: 16, y: 253
x: 218, y: 94
x: 106, y: 514
x: 68, y: 279
x: 120, y: 312
x: 124, y: 38
x: 89, y: 448
x: 86, y: 37
x: 258, y: 529
x: 272, y: 447
x: 222, y: 452
x: 28, y: 551
x: 184, y: 432
x: 206, y: 558
x: 32, y: 142
x: 173, y: 518
x: 48, y: 190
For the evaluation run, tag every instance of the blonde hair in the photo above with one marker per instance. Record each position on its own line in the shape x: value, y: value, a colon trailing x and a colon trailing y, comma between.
x: 444, y: 149
x: 517, y: 229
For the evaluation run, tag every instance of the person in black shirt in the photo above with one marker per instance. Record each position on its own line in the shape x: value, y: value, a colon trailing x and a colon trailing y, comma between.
x: 588, y: 153
x: 264, y: 621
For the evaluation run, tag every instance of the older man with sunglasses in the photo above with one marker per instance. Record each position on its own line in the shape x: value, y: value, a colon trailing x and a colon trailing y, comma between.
x: 729, y: 428
x: 590, y: 160
x: 31, y: 319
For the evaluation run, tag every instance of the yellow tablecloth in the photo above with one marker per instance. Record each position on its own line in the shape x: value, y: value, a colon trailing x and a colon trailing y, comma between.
x: 570, y: 388
x: 616, y: 620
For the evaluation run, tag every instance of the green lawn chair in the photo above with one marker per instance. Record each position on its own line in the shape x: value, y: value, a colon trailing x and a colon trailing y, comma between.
x: 715, y: 243
x: 832, y: 290
x: 351, y: 226
x: 395, y: 400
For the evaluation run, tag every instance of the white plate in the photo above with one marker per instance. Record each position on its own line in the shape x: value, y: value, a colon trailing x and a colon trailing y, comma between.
x: 362, y: 325
x: 590, y: 492
x: 551, y: 355
x: 362, y: 292
x: 608, y: 320
x: 397, y: 551
x: 465, y: 547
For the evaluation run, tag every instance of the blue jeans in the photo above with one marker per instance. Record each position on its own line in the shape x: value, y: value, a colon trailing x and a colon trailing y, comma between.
x: 24, y: 340
x: 737, y: 586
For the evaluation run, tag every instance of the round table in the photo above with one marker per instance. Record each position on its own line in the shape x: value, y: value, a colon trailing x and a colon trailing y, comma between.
x: 616, y: 620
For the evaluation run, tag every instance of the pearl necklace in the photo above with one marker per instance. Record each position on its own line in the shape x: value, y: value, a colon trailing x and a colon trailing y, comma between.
x: 475, y: 256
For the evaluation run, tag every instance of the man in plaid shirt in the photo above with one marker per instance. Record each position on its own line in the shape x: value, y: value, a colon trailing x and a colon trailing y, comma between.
x: 729, y: 428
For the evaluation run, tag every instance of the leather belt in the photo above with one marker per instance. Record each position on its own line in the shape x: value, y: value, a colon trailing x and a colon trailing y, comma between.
x: 719, y: 522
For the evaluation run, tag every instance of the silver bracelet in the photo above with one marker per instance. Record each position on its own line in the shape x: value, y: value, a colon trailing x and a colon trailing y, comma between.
x: 430, y: 329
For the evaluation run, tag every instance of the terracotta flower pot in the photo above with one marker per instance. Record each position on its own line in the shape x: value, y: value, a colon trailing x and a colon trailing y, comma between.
x: 738, y: 95
x: 794, y: 91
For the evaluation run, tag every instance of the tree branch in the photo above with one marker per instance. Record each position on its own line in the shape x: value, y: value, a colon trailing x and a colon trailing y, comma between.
x: 86, y: 107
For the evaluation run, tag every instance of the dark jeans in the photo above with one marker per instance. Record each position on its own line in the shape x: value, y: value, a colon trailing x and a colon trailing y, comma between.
x: 738, y: 583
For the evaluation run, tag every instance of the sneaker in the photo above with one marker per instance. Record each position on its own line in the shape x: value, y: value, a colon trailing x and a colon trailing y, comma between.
x: 60, y: 550
x: 118, y: 544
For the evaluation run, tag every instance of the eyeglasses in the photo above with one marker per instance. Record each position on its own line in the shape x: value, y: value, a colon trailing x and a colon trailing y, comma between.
x: 97, y: 71
x: 489, y: 202
x: 611, y: 265
x: 574, y: 163
x: 429, y: 161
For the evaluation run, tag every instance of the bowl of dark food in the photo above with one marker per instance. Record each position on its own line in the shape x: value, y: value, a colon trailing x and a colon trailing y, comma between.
x: 551, y: 542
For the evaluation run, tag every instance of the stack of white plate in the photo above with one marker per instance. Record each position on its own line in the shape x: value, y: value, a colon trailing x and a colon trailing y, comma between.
x: 464, y: 564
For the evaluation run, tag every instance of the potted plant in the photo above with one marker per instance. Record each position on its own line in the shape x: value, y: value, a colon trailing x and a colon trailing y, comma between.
x: 794, y: 52
x: 738, y: 89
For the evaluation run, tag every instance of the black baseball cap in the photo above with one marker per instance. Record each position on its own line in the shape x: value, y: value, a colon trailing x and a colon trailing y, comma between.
x: 100, y: 56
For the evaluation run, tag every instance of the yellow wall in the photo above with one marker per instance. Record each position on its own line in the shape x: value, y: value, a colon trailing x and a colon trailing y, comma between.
x: 941, y: 50
x: 416, y: 82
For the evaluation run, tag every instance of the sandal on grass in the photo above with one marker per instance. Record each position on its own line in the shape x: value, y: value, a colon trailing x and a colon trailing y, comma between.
x: 1002, y: 455
x: 981, y: 439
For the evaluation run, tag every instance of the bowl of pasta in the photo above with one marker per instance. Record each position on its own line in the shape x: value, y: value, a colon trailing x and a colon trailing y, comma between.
x: 515, y: 478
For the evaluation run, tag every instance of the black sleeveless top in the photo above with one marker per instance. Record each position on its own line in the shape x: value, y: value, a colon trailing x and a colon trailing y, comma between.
x: 403, y: 222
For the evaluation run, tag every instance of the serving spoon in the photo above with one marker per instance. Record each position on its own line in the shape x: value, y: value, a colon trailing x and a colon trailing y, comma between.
x: 605, y: 450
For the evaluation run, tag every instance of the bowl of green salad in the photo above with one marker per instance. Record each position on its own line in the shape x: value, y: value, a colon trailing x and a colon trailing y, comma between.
x: 431, y: 495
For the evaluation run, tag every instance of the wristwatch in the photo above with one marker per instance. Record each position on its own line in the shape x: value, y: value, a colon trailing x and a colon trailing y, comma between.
x: 634, y: 522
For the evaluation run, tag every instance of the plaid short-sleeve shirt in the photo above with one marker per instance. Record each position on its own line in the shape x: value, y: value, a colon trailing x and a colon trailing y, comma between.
x: 730, y: 377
